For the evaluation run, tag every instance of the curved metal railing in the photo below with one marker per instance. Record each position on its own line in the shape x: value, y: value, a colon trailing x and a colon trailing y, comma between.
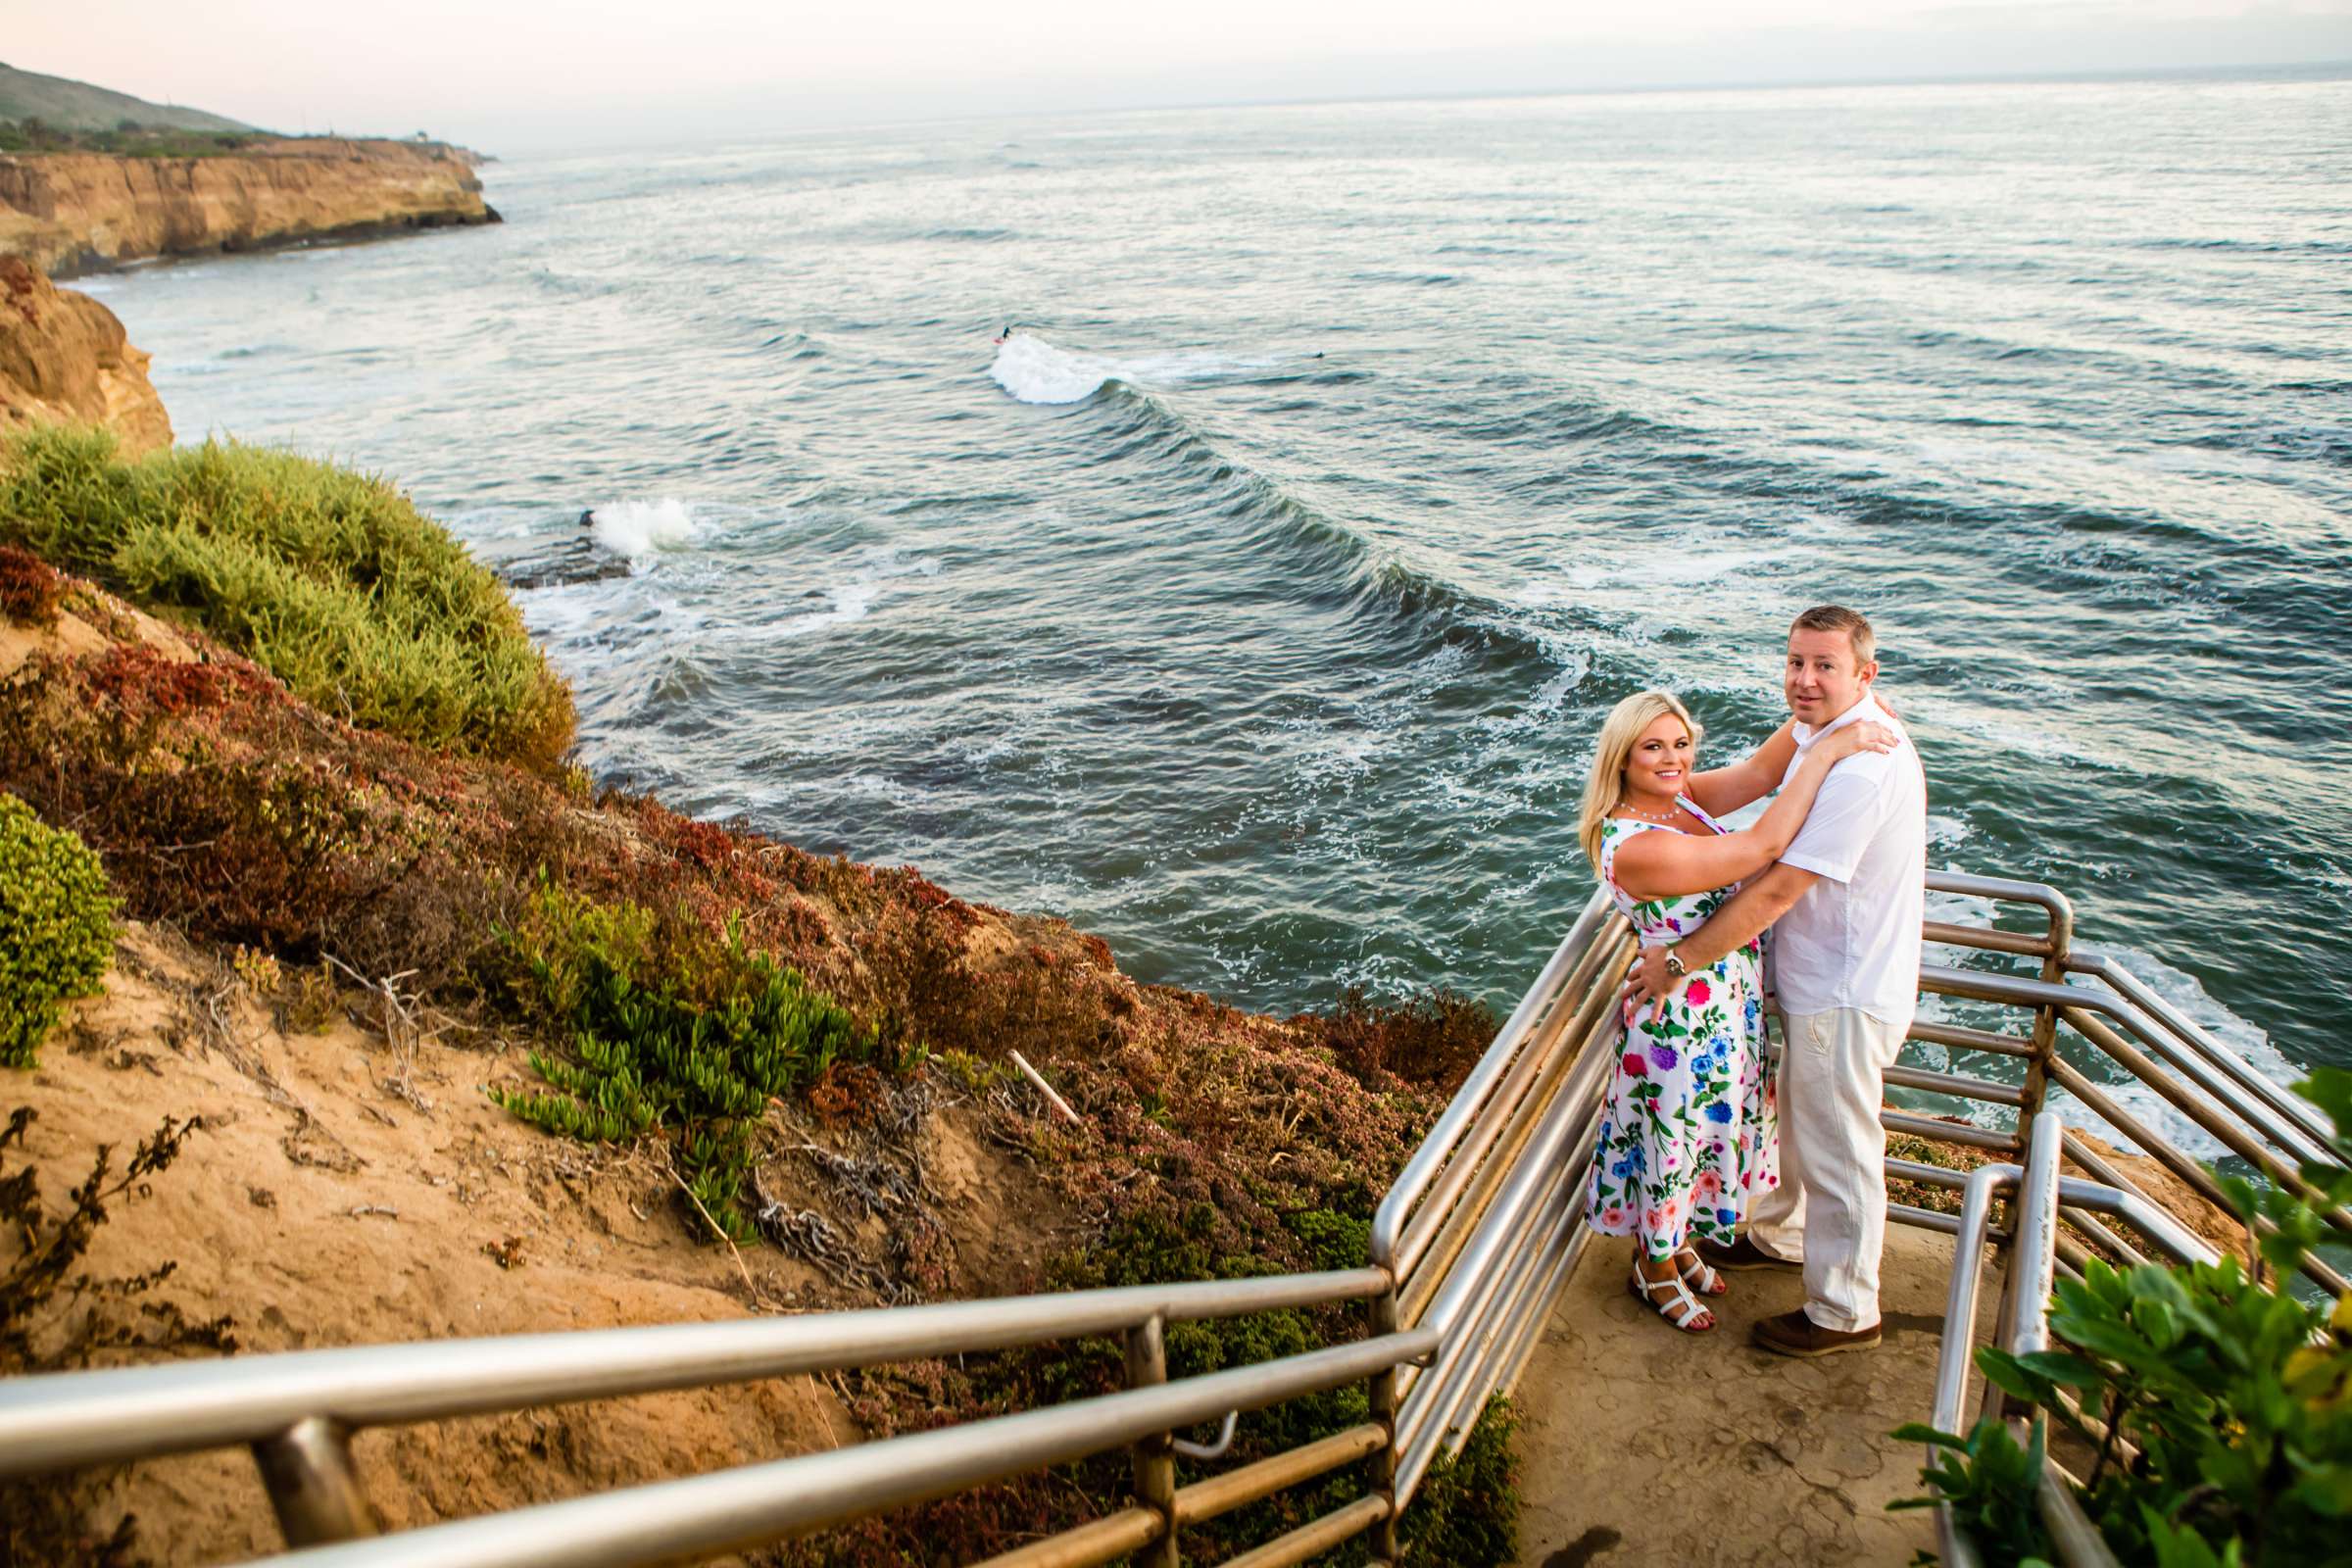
x: 2117, y: 1019
x: 1469, y: 1251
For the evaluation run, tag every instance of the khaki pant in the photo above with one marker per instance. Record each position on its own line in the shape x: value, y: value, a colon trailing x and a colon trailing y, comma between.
x: 1830, y: 1209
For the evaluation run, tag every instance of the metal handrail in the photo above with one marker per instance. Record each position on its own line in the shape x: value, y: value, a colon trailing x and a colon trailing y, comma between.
x: 726, y: 1510
x: 1468, y: 1250
x: 1508, y: 1136
x: 2096, y: 961
x: 2043, y: 1193
x: 2018, y: 991
x: 2220, y: 1094
x: 1460, y: 1118
x: 61, y: 1419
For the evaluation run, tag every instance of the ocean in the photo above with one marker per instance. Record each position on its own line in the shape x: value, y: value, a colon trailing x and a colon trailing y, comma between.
x: 1256, y: 604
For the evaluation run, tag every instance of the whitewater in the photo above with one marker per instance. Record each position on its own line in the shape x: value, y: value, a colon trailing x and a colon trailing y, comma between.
x: 1255, y: 602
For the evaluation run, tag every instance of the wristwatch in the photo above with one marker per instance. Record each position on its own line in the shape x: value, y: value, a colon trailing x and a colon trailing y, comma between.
x: 1674, y: 963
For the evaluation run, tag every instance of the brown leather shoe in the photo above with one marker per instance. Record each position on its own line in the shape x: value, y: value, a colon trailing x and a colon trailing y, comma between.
x: 1797, y: 1334
x: 1741, y: 1253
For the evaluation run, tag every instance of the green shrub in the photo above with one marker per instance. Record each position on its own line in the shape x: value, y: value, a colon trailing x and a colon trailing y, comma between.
x: 686, y: 1035
x: 57, y: 927
x: 1466, y: 1511
x: 2235, y: 1400
x: 331, y: 579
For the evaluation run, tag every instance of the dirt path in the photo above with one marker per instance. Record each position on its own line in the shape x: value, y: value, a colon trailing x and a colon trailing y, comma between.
x: 1639, y: 1446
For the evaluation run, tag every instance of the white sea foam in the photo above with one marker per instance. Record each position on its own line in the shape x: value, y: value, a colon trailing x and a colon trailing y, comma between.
x: 1543, y: 708
x: 1552, y: 693
x: 642, y: 528
x: 1692, y: 564
x: 2011, y: 727
x: 1945, y: 831
x: 847, y: 603
x: 1034, y: 370
x: 852, y: 600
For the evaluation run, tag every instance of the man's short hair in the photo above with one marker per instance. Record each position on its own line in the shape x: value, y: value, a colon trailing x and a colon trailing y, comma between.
x: 1836, y: 617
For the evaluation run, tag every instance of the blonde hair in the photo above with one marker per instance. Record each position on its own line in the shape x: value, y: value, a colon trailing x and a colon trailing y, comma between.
x: 1605, y: 789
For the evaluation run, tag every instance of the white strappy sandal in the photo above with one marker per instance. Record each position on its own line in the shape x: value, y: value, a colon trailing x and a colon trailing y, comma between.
x: 1680, y: 1311
x: 1695, y: 1273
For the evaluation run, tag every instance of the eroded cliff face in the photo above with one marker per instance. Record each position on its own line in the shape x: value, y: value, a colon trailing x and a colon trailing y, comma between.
x: 65, y: 358
x: 73, y: 213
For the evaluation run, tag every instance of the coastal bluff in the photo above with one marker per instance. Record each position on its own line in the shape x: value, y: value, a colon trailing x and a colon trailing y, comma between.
x: 71, y: 213
x: 65, y: 360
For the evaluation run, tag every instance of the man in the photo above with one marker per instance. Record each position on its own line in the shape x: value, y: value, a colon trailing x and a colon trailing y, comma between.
x: 1849, y: 898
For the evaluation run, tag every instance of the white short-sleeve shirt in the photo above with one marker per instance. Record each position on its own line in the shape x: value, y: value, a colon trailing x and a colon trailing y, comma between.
x: 1853, y: 939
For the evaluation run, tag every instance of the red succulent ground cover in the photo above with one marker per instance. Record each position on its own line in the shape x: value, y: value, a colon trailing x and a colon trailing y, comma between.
x: 30, y: 592
x: 1213, y: 1143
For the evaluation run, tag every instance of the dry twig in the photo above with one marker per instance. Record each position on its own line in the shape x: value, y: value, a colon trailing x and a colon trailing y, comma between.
x: 1046, y: 1089
x: 717, y: 1229
x: 401, y: 1029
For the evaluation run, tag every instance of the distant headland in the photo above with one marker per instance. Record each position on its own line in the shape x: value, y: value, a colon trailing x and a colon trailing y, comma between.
x: 91, y: 178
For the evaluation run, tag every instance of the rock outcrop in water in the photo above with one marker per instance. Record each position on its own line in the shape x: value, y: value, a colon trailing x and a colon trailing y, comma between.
x: 65, y: 359
x: 575, y: 561
x: 75, y: 213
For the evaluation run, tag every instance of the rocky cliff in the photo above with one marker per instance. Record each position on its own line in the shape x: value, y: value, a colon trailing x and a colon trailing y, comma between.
x: 63, y: 358
x: 73, y: 213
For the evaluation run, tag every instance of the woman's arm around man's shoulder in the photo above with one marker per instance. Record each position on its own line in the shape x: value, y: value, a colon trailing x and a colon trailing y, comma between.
x: 1720, y: 791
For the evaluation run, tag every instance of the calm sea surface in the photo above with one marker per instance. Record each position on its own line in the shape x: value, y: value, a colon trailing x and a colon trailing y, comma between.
x: 1256, y: 607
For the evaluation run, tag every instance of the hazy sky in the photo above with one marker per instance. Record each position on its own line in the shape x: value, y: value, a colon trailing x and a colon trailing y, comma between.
x: 524, y: 75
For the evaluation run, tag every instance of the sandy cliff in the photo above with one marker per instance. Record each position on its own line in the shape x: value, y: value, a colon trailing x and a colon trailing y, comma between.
x: 70, y: 213
x: 63, y: 358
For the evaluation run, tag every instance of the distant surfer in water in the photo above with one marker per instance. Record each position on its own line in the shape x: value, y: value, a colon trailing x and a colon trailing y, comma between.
x: 588, y: 518
x: 1006, y: 336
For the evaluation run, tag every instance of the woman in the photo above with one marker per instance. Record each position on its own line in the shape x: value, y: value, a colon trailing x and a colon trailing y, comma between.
x: 1688, y: 1133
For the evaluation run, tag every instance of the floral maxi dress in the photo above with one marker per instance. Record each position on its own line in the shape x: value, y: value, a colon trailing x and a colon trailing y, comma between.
x: 1688, y: 1133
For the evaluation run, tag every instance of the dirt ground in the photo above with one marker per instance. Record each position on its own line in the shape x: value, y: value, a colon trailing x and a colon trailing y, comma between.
x: 344, y: 1189
x: 1641, y: 1446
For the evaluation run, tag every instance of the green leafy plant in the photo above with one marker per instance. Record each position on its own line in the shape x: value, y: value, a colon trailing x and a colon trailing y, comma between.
x: 57, y: 927
x: 691, y: 1037
x: 126, y: 138
x: 1989, y: 1481
x: 2218, y: 1410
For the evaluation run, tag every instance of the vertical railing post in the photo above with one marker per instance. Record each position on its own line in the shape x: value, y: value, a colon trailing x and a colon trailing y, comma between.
x: 1382, y: 1403
x: 1155, y: 1460
x: 312, y: 1485
x: 2045, y: 1041
x: 2045, y: 1024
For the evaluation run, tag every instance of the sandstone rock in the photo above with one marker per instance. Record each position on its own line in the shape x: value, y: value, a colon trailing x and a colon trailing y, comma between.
x: 70, y: 213
x: 63, y: 356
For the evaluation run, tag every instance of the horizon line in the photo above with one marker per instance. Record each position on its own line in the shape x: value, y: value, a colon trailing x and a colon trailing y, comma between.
x: 2316, y: 70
